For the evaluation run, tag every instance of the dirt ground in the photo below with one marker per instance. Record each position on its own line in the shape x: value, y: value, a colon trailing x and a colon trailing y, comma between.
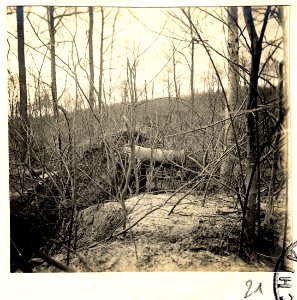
x: 192, y: 238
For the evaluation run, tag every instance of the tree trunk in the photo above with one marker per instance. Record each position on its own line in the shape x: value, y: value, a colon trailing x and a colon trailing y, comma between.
x: 131, y: 77
x: 232, y: 92
x: 53, y: 75
x: 91, y: 67
x: 111, y: 54
x: 22, y: 82
x: 250, y: 204
x: 251, y: 130
x: 91, y: 57
x: 100, y: 102
x: 174, y: 73
x: 192, y: 69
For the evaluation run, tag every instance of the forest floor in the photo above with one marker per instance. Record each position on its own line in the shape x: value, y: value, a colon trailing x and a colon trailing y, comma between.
x: 192, y: 238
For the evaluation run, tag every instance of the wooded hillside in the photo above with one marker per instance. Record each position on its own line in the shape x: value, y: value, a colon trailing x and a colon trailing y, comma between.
x: 91, y: 129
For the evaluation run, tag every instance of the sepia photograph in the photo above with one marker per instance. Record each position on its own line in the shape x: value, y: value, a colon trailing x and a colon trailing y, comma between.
x: 148, y: 139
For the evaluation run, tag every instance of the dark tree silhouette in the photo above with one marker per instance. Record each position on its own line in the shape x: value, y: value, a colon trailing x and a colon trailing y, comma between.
x: 22, y: 80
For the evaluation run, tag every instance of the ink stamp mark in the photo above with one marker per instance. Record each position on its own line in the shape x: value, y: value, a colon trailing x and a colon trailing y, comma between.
x: 284, y: 281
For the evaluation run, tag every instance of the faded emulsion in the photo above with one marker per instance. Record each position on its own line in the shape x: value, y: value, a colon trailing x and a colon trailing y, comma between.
x: 149, y: 139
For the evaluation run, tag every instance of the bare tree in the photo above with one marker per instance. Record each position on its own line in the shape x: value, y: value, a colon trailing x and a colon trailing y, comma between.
x: 91, y: 56
x: 112, y: 51
x: 192, y: 66
x: 91, y: 70
x: 22, y: 81
x: 175, y: 79
x: 232, y: 91
x: 101, y: 59
x: 252, y: 129
x: 188, y: 28
x: 51, y: 24
x: 255, y: 145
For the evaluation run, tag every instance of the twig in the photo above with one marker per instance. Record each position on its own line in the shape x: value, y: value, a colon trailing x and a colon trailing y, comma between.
x: 185, y: 195
x: 73, y: 251
x: 55, y: 263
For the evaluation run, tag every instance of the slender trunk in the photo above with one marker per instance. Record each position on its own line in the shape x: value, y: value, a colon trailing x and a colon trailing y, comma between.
x: 192, y: 75
x: 276, y: 146
x: 168, y: 89
x: 174, y: 74
x: 91, y: 69
x: 111, y: 53
x: 134, y: 84
x: 192, y: 66
x: 53, y: 75
x: 91, y: 57
x: 232, y: 93
x: 251, y: 131
x: 270, y: 200
x: 72, y: 233
x: 250, y: 204
x: 73, y: 176
x: 22, y: 81
x: 100, y: 102
x: 131, y: 77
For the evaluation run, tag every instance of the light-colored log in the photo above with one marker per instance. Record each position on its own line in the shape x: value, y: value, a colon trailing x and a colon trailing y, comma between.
x: 159, y: 155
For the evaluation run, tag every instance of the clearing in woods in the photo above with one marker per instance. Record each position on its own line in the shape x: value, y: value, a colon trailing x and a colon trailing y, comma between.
x: 192, y: 238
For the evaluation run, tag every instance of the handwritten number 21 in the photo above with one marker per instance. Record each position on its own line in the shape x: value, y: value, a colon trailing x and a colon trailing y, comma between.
x: 249, y: 285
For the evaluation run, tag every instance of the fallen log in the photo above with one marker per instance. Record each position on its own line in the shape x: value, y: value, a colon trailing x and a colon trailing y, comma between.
x: 159, y: 155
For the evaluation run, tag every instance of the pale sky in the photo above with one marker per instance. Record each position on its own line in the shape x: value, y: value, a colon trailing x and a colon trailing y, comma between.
x: 147, y: 32
x: 138, y: 30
